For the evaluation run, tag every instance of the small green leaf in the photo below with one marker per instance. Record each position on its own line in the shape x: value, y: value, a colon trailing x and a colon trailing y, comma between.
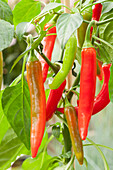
x: 21, y: 29
x: 66, y: 155
x: 111, y: 84
x: 56, y: 131
x: 51, y: 6
x: 6, y: 34
x: 10, y: 148
x: 107, y: 6
x: 5, y: 12
x: 4, y: 124
x: 16, y: 107
x: 66, y: 25
x: 25, y: 10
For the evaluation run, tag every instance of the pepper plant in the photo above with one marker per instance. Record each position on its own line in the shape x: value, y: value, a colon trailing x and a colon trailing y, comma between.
x: 69, y: 53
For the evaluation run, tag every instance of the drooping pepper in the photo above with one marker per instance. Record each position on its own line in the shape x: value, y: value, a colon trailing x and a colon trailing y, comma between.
x: 72, y: 122
x: 48, y: 45
x: 69, y: 56
x: 1, y: 68
x: 53, y: 99
x: 38, y: 102
x: 102, y: 99
x: 87, y: 84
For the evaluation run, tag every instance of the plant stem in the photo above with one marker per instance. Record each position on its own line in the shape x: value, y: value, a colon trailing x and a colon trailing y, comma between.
x: 103, y: 22
x: 54, y: 68
x: 103, y: 41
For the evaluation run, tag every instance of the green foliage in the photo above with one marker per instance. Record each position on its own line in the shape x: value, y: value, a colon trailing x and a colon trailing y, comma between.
x: 6, y: 34
x: 56, y: 131
x: 111, y: 84
x: 10, y: 148
x: 25, y: 10
x: 5, y: 12
x: 106, y: 33
x: 21, y: 29
x: 66, y: 25
x: 16, y: 107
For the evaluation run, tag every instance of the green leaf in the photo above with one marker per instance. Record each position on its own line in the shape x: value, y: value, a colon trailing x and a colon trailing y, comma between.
x: 10, y: 148
x: 44, y: 141
x: 35, y: 164
x: 106, y: 33
x: 25, y: 10
x: 66, y: 155
x: 4, y: 124
x: 66, y: 25
x: 16, y: 106
x: 51, y: 6
x: 6, y: 34
x: 107, y: 6
x: 56, y: 131
x: 5, y: 12
x: 21, y: 29
x: 111, y: 84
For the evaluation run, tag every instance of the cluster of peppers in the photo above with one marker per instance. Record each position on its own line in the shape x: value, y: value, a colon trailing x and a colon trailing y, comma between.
x: 77, y: 117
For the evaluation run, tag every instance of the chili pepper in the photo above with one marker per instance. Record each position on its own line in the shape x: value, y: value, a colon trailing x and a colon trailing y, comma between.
x: 69, y: 56
x: 102, y: 99
x: 53, y: 99
x: 87, y: 84
x: 1, y: 68
x: 48, y: 45
x: 38, y: 102
x: 81, y: 31
x: 72, y: 122
x: 96, y: 9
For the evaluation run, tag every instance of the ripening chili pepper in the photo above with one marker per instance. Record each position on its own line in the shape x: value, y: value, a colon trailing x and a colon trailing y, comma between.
x: 48, y: 45
x: 87, y: 84
x: 81, y: 31
x: 96, y: 13
x: 72, y: 122
x: 1, y: 68
x: 69, y: 56
x: 102, y: 99
x: 38, y: 102
x: 53, y: 99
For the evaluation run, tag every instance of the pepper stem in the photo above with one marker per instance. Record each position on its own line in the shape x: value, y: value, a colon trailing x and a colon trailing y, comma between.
x: 87, y: 42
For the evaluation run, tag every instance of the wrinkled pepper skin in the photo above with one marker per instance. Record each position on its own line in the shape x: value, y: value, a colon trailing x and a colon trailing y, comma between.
x: 48, y: 45
x: 81, y: 31
x: 102, y: 99
x: 53, y: 99
x: 69, y: 56
x: 72, y: 122
x: 1, y: 68
x: 38, y: 104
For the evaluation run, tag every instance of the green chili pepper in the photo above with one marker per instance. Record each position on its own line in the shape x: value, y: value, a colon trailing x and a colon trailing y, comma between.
x: 69, y: 56
x: 81, y: 31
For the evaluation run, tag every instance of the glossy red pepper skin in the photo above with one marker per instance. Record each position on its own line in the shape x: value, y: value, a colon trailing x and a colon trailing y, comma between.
x: 99, y: 70
x: 96, y: 13
x: 72, y: 122
x: 38, y: 104
x: 48, y: 45
x: 102, y: 99
x: 53, y: 99
x: 87, y: 89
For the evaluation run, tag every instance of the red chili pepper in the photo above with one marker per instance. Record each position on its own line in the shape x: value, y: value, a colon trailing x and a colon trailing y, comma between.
x: 99, y: 70
x: 38, y: 102
x: 48, y: 45
x: 87, y: 89
x: 96, y: 13
x: 102, y: 99
x: 53, y: 99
